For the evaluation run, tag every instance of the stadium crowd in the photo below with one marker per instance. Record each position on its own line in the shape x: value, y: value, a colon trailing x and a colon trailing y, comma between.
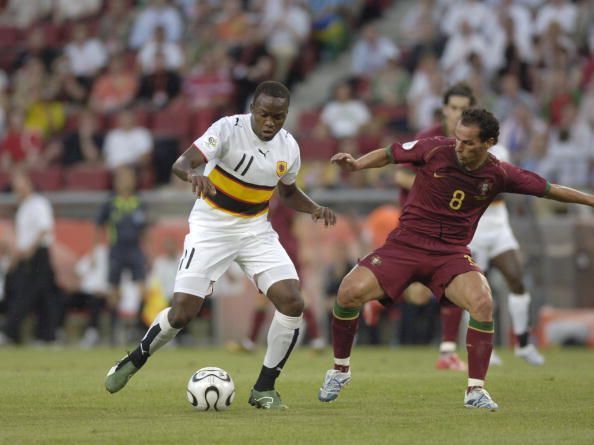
x: 87, y: 87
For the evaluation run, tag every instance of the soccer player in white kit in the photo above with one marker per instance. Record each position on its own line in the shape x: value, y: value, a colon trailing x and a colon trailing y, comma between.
x: 247, y: 157
x: 494, y: 244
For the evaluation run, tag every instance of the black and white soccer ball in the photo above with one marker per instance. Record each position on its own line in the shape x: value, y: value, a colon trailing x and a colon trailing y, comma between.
x: 211, y: 388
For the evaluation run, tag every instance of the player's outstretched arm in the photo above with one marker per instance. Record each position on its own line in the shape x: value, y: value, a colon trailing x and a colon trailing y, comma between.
x: 567, y: 194
x: 184, y: 167
x: 294, y: 198
x: 374, y: 159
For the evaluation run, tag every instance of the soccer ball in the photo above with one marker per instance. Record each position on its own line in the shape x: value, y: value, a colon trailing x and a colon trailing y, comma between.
x: 211, y: 388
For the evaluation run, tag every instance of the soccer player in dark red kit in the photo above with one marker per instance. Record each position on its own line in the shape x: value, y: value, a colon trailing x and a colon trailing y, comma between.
x: 456, y: 181
x: 456, y: 99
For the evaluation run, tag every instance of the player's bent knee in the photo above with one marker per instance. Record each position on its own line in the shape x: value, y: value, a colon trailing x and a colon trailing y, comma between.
x: 184, y: 309
x: 351, y: 294
x: 481, y: 307
x: 287, y: 298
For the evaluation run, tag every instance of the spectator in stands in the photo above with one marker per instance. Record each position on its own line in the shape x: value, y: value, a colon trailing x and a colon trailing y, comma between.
x: 559, y: 92
x: 115, y: 89
x: 36, y: 47
x: 158, y: 13
x: 474, y: 14
x: 30, y: 76
x: 125, y: 219
x: 390, y: 85
x: 344, y: 116
x: 232, y: 23
x: 567, y: 161
x: 36, y: 288
x: 87, y: 55
x: 161, y: 86
x: 67, y: 10
x: 115, y: 24
x: 510, y: 96
x: 44, y: 114
x: 64, y: 86
x: 431, y: 42
x: 372, y: 52
x: 562, y: 12
x: 422, y: 112
x: 252, y: 65
x: 288, y: 27
x: 158, y: 46
x: 20, y: 147
x: 461, y: 44
x: 330, y: 28
x: 201, y: 40
x: 519, y: 129
x: 23, y: 14
x: 83, y: 145
x: 127, y: 144
x: 209, y: 85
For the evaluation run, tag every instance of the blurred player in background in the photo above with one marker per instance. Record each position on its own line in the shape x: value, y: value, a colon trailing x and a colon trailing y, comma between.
x: 124, y: 218
x: 247, y: 157
x: 457, y: 179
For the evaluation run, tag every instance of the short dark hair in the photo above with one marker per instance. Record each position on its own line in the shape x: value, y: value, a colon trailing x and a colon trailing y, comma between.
x: 459, y: 89
x: 272, y: 88
x: 484, y: 120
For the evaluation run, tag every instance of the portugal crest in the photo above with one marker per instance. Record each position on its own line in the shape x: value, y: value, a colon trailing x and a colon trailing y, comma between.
x: 281, y: 168
x: 484, y: 189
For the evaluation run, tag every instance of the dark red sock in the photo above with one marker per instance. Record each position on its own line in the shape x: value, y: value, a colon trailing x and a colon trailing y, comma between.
x: 479, y: 345
x: 257, y: 322
x: 343, y: 336
x: 311, y: 323
x: 450, y: 323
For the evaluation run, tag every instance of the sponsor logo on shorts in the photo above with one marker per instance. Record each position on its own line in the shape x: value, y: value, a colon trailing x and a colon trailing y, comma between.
x: 376, y: 260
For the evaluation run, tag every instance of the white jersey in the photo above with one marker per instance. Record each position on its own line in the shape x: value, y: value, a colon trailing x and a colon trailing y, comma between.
x: 496, y: 214
x: 493, y: 234
x: 245, y: 171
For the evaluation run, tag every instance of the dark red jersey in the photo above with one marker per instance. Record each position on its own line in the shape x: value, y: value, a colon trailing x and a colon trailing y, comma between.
x: 446, y: 201
x: 435, y: 130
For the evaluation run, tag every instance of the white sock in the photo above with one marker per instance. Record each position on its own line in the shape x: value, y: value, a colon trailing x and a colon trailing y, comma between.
x: 159, y: 334
x: 447, y: 347
x: 519, y: 305
x: 282, y: 337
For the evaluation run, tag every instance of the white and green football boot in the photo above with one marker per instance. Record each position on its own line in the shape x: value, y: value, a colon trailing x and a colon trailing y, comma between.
x: 266, y: 399
x: 119, y: 374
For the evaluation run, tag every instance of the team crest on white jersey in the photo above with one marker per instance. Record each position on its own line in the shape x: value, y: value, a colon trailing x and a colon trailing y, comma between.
x: 409, y: 145
x: 281, y: 168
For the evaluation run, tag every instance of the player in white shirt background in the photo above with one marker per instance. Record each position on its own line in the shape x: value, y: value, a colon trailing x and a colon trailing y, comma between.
x: 247, y: 157
x: 495, y: 245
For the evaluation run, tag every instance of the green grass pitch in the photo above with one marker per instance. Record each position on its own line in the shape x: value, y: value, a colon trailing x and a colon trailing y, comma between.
x: 396, y: 397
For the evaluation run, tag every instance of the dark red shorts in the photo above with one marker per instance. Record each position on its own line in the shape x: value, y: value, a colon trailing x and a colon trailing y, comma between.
x: 406, y: 258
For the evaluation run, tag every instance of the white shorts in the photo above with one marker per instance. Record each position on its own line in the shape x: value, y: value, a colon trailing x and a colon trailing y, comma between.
x: 491, y: 241
x: 208, y: 255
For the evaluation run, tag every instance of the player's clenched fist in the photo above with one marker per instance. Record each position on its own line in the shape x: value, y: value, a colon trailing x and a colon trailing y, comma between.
x: 344, y: 161
x: 201, y: 185
x: 324, y: 213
